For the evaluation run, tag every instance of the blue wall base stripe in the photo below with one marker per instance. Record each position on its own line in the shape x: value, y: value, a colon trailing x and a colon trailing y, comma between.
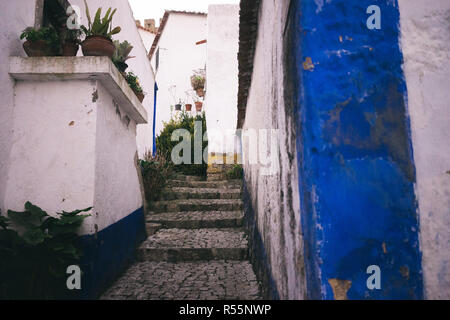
x: 109, y: 252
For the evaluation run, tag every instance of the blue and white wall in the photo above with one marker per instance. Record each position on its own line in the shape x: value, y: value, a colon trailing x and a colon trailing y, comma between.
x: 371, y: 125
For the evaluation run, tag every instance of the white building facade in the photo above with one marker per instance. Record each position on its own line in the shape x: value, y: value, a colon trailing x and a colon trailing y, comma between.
x: 175, y: 54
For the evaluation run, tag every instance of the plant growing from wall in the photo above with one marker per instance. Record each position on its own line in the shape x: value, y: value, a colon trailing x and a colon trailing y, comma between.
x: 122, y: 54
x: 40, y: 42
x: 155, y: 171
x: 99, y: 33
x: 236, y: 172
x: 34, y: 261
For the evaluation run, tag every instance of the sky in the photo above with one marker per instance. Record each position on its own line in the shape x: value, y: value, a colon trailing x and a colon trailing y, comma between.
x: 154, y: 9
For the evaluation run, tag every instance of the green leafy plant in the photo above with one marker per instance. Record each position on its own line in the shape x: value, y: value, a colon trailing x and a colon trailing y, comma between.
x: 100, y: 26
x: 34, y: 260
x: 122, y: 52
x: 236, y: 172
x: 133, y: 82
x: 155, y: 172
x: 165, y: 145
x: 47, y: 34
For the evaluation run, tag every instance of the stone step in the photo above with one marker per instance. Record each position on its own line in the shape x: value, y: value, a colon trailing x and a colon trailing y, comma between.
x: 196, y: 280
x: 197, y: 205
x: 200, y: 193
x: 178, y: 245
x: 182, y: 177
x: 197, y: 219
x: 152, y: 228
x: 226, y: 184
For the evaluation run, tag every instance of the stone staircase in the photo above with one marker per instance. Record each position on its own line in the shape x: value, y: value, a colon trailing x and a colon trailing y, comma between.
x: 196, y: 247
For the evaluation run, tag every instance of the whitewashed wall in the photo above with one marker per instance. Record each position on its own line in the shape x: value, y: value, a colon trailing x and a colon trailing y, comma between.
x: 139, y: 65
x: 222, y: 76
x: 275, y: 198
x: 179, y: 56
x: 425, y: 40
x: 147, y: 38
x: 15, y: 16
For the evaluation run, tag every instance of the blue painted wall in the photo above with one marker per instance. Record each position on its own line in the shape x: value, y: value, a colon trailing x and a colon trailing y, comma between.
x: 109, y: 252
x: 356, y: 170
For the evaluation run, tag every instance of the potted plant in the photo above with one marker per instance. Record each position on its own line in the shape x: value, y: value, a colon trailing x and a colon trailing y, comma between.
x: 70, y: 41
x: 178, y: 106
x: 188, y: 107
x: 198, y: 82
x: 133, y: 82
x: 121, y: 54
x: 98, y: 40
x: 40, y: 42
x: 198, y: 106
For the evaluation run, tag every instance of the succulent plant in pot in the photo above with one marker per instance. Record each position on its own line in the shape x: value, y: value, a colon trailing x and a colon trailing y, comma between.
x: 40, y: 42
x: 98, y: 40
x: 133, y: 82
x: 122, y: 54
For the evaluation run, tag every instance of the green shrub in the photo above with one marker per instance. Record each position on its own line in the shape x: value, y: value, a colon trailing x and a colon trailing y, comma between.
x: 34, y: 261
x: 165, y: 145
x: 237, y: 172
x: 155, y: 172
x: 48, y: 34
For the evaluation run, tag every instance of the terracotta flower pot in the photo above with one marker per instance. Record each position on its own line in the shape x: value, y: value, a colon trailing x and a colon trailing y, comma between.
x: 140, y: 96
x: 198, y: 106
x: 98, y: 46
x: 70, y: 49
x: 200, y: 92
x: 38, y: 48
x: 188, y: 107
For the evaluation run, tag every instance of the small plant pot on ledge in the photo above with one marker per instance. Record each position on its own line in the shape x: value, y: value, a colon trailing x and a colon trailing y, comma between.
x: 198, y: 106
x: 70, y: 49
x: 38, y: 48
x: 98, y: 46
x: 188, y: 107
x: 139, y: 95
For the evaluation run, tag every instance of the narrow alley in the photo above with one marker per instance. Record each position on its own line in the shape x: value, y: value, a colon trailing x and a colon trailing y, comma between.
x: 196, y: 249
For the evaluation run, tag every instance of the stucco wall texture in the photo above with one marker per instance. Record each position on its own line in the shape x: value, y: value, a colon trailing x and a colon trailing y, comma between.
x: 20, y: 14
x: 274, y: 198
x: 425, y: 40
x: 222, y: 77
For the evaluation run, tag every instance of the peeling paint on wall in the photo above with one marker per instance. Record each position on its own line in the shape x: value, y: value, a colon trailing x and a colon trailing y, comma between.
x: 356, y: 169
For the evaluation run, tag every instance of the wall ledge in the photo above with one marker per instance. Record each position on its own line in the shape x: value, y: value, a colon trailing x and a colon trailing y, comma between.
x: 80, y: 68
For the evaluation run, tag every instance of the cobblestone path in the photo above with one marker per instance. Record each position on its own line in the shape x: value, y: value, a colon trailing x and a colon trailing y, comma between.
x: 196, y: 249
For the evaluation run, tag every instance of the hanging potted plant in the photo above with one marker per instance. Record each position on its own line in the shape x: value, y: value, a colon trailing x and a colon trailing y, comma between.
x: 188, y: 107
x: 121, y: 54
x: 198, y: 80
x: 98, y: 40
x: 133, y: 82
x: 40, y: 42
x: 70, y: 41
